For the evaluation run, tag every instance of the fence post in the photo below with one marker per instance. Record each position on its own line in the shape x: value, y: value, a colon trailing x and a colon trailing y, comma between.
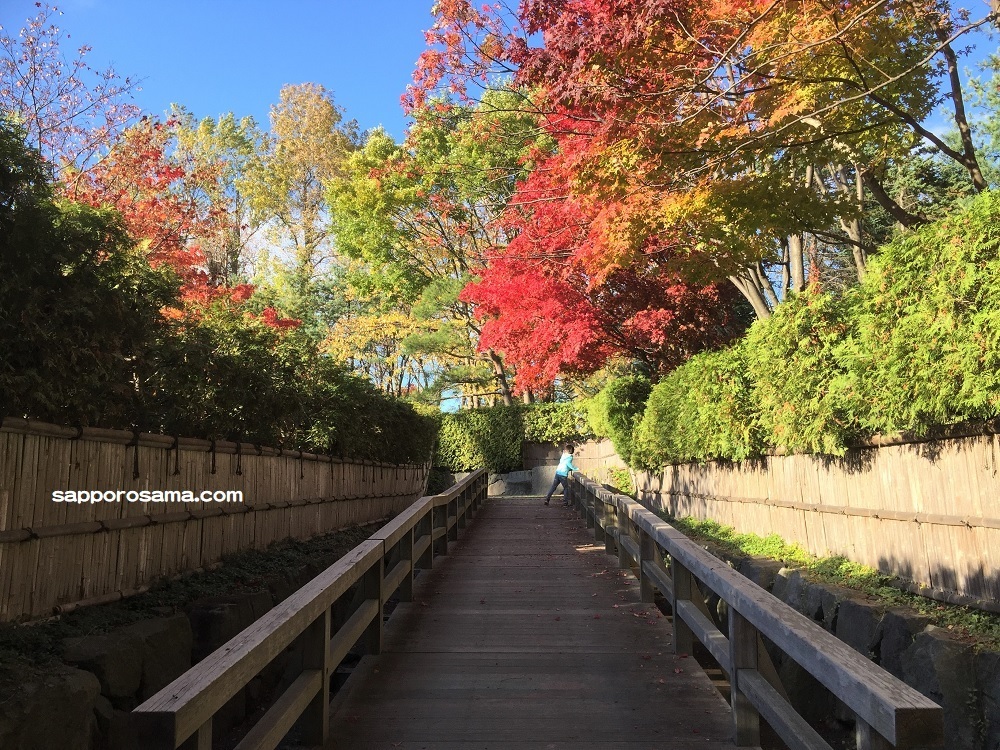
x: 316, y: 655
x: 371, y: 588
x: 588, y: 506
x: 684, y: 587
x: 742, y: 656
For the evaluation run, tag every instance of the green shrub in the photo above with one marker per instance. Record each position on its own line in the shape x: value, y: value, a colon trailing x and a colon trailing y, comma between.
x: 84, y: 340
x: 927, y: 351
x: 472, y: 438
x: 804, y: 398
x: 615, y: 412
x: 556, y: 422
x: 493, y: 437
x: 702, y: 410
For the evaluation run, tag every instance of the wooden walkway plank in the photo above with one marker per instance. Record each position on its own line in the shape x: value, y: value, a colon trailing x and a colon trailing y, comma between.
x: 526, y: 635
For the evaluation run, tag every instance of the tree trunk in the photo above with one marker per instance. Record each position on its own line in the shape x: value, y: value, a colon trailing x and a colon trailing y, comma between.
x: 969, y: 160
x: 501, y: 376
x: 796, y: 265
x: 753, y: 295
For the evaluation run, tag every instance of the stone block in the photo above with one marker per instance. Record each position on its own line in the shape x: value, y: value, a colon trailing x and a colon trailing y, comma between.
x: 857, y: 625
x: 760, y: 570
x: 987, y: 664
x: 941, y: 668
x: 166, y: 651
x: 895, y: 635
x: 115, y: 659
x: 54, y: 710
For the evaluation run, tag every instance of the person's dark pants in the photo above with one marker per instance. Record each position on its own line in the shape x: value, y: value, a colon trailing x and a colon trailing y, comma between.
x: 556, y: 481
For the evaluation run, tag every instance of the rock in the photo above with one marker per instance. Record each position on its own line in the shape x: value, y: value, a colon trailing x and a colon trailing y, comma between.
x: 115, y: 659
x: 104, y: 719
x: 54, y: 710
x: 811, y: 602
x: 166, y: 651
x: 811, y: 700
x: 780, y: 586
x: 988, y: 683
x: 942, y: 669
x: 857, y: 624
x: 759, y: 570
x: 831, y: 598
x: 894, y: 635
x: 214, y: 620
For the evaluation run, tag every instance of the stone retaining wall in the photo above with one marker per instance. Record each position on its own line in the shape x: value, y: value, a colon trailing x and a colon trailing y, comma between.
x: 944, y: 667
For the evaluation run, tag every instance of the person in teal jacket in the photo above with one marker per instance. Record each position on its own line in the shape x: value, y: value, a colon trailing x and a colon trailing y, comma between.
x: 562, y: 475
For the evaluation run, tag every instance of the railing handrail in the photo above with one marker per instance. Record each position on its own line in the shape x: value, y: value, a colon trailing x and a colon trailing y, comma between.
x: 894, y: 710
x: 184, y: 708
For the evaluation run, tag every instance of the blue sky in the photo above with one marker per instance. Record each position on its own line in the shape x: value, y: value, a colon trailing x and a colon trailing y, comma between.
x: 216, y: 56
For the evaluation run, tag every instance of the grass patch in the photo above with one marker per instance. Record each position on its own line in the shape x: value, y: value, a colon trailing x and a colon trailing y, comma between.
x: 982, y: 628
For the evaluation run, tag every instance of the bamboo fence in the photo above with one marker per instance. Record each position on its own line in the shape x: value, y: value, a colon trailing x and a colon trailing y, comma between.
x: 56, y: 556
x: 926, y: 511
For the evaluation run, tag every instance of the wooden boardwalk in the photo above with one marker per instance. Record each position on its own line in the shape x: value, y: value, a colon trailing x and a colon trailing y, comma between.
x: 528, y: 636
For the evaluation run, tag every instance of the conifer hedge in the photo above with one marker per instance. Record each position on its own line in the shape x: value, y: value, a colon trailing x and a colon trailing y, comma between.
x: 916, y: 345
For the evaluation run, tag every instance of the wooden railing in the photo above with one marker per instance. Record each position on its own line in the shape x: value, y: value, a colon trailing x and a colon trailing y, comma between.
x: 888, y: 711
x: 338, y: 609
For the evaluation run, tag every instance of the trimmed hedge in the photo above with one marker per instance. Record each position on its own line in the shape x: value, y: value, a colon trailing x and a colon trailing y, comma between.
x: 916, y: 345
x: 493, y: 437
x: 615, y: 412
x: 704, y: 409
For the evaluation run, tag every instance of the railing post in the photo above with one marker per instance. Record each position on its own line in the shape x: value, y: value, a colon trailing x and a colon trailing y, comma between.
x: 683, y: 589
x: 316, y: 655
x: 452, y: 534
x: 200, y: 740
x: 440, y: 521
x: 371, y: 588
x: 867, y: 738
x: 462, y: 509
x: 608, y: 516
x: 426, y: 524
x: 406, y: 553
x: 600, y: 532
x: 588, y: 506
x: 742, y: 656
x: 648, y: 552
x: 624, y: 529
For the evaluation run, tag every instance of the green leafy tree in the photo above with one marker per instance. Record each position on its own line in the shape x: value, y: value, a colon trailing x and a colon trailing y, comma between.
x: 79, y: 303
x: 421, y: 215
